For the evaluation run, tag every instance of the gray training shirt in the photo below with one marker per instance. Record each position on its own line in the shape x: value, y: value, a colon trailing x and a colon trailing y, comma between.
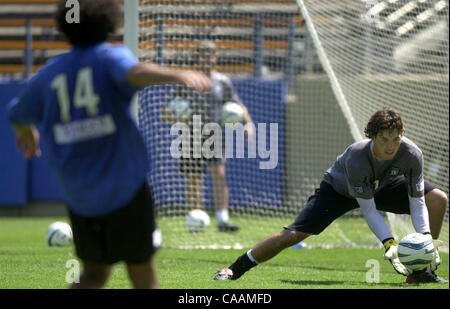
x: 358, y: 174
x: 208, y: 105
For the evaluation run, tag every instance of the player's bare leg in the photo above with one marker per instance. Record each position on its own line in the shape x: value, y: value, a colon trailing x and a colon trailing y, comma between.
x: 263, y: 251
x: 221, y: 196
x: 274, y: 244
x: 143, y: 275
x: 437, y: 203
x: 220, y: 189
x: 94, y: 276
x: 194, y: 190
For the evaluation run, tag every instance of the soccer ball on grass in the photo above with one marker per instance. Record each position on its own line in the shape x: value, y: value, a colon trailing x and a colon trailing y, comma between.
x: 59, y: 234
x: 416, y: 251
x: 197, y: 221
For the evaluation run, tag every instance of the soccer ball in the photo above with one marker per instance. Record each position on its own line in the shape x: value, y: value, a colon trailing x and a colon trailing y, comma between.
x: 232, y: 113
x: 59, y: 234
x: 197, y: 221
x: 181, y: 108
x: 416, y: 251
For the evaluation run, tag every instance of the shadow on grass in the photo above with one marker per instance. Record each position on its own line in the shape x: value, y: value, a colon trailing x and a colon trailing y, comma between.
x: 344, y: 268
x: 346, y: 284
x: 312, y: 282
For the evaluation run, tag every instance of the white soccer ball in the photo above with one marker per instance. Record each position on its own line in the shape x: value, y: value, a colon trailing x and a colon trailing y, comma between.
x: 197, y: 221
x: 181, y: 108
x: 59, y: 234
x: 232, y: 113
x: 416, y: 251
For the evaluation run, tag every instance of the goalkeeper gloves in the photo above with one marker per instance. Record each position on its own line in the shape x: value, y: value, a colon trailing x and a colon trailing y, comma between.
x: 436, y: 258
x: 391, y: 254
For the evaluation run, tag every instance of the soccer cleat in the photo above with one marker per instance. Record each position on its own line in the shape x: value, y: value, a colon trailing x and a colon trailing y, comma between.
x: 227, y: 227
x: 424, y: 276
x: 224, y: 274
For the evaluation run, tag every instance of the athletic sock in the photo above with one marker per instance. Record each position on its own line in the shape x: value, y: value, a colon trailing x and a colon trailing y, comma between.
x: 241, y: 265
x: 222, y: 216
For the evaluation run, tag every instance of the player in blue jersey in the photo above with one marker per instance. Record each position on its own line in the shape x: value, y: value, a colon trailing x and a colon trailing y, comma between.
x: 81, y: 101
x: 383, y: 172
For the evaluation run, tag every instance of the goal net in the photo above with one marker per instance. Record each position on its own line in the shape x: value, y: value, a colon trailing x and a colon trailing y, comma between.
x: 391, y: 53
x: 309, y: 88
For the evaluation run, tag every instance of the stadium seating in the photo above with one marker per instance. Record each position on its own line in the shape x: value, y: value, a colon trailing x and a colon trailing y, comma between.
x: 234, y: 25
x: 21, y: 20
x: 231, y: 23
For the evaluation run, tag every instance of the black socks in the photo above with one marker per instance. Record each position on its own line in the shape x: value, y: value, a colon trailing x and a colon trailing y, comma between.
x: 241, y: 265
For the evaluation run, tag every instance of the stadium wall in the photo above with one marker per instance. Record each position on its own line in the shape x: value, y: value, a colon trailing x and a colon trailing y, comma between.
x: 313, y: 122
x: 13, y: 169
x: 26, y: 187
x: 24, y: 183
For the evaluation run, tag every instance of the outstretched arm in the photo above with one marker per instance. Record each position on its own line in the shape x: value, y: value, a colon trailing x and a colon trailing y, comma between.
x: 374, y: 218
x: 144, y: 74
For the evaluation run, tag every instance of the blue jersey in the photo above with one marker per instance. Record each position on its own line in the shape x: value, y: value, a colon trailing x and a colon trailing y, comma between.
x: 81, y: 100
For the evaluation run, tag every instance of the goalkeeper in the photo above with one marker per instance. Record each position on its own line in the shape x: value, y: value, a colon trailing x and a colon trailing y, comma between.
x: 383, y: 172
x: 81, y: 100
x: 209, y: 107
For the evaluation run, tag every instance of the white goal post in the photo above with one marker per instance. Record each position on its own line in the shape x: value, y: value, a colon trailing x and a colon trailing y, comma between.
x: 131, y: 39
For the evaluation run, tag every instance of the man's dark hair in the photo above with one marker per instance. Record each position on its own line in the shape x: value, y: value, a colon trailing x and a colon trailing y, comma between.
x: 385, y: 119
x: 98, y: 19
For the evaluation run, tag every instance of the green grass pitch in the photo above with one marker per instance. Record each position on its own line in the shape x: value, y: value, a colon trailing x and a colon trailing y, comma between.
x: 26, y: 262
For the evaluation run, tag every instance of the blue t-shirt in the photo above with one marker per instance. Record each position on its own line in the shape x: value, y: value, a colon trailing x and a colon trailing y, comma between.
x: 81, y: 100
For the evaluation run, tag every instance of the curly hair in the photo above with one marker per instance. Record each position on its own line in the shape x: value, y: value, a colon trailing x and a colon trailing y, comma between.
x: 385, y: 119
x: 98, y: 19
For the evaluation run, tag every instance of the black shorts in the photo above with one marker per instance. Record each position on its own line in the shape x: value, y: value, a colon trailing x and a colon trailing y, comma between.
x: 124, y: 235
x: 326, y: 205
